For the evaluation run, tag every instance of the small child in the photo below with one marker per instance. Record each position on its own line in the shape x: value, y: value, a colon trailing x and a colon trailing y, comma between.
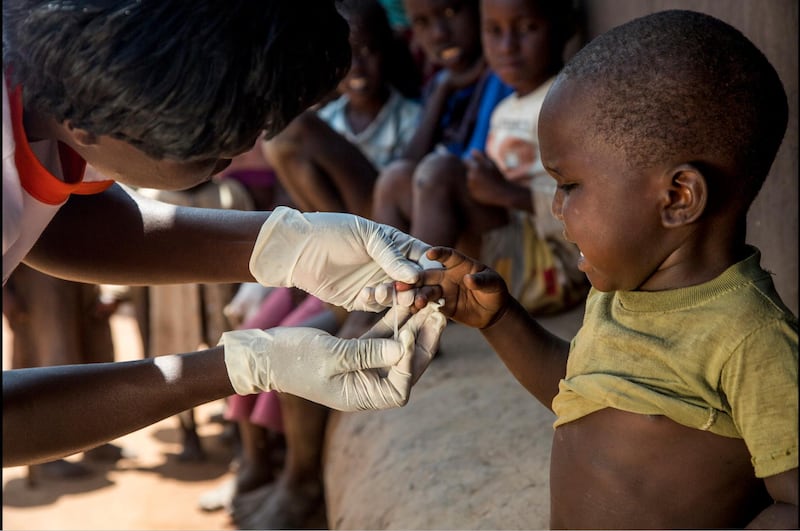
x: 457, y: 101
x: 328, y: 160
x: 676, y: 402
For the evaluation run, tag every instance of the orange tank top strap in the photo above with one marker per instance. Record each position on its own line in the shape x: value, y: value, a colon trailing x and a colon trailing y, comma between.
x: 34, y: 177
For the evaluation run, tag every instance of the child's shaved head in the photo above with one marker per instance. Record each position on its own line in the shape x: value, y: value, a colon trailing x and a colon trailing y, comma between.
x: 684, y: 84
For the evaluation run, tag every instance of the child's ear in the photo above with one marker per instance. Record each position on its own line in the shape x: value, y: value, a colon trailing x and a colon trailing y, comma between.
x: 685, y: 196
x: 81, y: 136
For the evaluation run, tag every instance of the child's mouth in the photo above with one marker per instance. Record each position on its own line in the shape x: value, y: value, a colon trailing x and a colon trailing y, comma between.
x: 450, y: 54
x: 357, y: 83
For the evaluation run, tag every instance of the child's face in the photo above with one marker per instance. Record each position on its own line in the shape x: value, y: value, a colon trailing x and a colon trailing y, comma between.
x: 611, y: 212
x: 364, y: 82
x: 447, y: 30
x: 518, y: 43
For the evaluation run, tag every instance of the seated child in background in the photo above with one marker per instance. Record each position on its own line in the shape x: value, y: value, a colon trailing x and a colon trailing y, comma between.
x: 457, y: 105
x: 496, y: 206
x: 328, y: 160
x: 676, y: 402
x: 458, y: 99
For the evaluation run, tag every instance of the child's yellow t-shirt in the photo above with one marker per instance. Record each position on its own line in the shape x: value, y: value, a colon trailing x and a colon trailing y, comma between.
x: 720, y: 356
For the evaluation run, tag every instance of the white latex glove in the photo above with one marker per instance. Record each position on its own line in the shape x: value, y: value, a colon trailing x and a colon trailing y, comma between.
x: 426, y: 326
x: 339, y: 258
x: 344, y: 374
x: 245, y: 303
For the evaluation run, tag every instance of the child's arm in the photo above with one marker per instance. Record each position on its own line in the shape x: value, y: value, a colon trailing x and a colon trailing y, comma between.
x: 477, y: 296
x: 487, y: 185
x: 424, y: 138
x: 783, y: 513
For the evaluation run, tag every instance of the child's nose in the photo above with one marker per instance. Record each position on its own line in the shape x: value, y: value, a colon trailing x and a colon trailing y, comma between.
x: 558, y: 204
x: 508, y: 41
x: 440, y: 29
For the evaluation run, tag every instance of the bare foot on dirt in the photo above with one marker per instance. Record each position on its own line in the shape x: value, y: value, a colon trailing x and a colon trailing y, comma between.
x: 287, y: 507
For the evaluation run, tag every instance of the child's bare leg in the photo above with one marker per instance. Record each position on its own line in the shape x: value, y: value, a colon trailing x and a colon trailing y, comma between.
x: 298, y: 492
x: 391, y: 203
x: 443, y: 212
x: 192, y: 449
x: 321, y: 169
x: 258, y: 447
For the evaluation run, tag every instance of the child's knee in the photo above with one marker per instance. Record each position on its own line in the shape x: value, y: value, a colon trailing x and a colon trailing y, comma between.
x: 438, y: 169
x: 394, y: 179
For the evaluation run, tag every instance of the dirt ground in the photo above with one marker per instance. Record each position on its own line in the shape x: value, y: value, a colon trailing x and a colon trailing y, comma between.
x: 150, y: 490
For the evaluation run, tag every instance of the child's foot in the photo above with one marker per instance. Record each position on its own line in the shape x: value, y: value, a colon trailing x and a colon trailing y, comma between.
x: 108, y: 453
x: 249, y: 477
x: 285, y: 507
x: 219, y: 498
x: 63, y: 469
x: 246, y: 503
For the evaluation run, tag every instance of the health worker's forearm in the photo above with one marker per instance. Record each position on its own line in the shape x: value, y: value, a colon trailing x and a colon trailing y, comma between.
x: 51, y: 412
x: 117, y: 238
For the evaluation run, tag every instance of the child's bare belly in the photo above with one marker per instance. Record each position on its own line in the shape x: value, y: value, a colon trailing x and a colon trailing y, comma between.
x: 619, y: 470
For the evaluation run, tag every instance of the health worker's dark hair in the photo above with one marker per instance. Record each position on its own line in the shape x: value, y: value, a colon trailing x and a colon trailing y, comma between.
x: 176, y: 79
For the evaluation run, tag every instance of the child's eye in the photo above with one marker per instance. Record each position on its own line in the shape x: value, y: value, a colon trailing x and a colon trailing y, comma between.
x: 491, y: 29
x: 528, y: 27
x: 449, y: 12
x: 420, y: 23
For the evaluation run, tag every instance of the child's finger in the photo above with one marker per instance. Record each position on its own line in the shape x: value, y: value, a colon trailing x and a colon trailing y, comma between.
x: 444, y: 255
x: 425, y: 294
x: 487, y: 281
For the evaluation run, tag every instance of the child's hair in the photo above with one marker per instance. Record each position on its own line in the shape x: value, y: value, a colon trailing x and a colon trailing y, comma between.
x: 681, y: 82
x: 563, y: 18
x: 176, y: 79
x: 369, y: 17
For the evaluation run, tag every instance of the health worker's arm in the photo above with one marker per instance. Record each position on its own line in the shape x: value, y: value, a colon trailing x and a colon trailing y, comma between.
x: 51, y: 412
x: 118, y: 238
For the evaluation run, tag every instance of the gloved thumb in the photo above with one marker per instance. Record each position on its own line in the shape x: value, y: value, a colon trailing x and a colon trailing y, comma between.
x: 395, y: 258
x: 372, y: 353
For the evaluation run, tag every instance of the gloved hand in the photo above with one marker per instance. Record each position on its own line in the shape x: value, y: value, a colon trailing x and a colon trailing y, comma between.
x: 339, y: 258
x: 344, y: 374
x: 426, y: 325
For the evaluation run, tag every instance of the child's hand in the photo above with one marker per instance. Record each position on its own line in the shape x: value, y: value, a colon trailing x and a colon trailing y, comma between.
x: 474, y: 294
x: 485, y: 181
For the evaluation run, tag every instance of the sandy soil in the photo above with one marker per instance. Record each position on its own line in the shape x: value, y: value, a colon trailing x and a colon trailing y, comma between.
x: 152, y: 490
